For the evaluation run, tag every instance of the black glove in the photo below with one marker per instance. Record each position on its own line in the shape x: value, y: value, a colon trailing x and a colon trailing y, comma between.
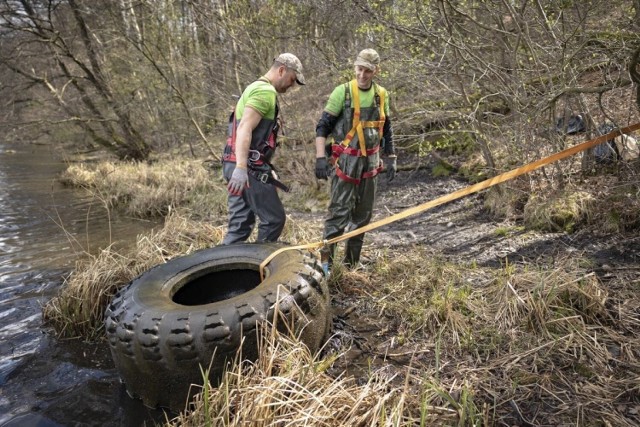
x: 392, y: 167
x: 323, y: 170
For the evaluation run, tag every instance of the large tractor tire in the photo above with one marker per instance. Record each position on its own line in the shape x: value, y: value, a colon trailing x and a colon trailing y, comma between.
x: 194, y: 311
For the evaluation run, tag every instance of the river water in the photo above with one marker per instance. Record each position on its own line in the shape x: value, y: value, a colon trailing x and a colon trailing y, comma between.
x: 44, y: 228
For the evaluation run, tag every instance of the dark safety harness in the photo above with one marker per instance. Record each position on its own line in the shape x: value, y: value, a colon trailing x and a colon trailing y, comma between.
x: 264, y: 141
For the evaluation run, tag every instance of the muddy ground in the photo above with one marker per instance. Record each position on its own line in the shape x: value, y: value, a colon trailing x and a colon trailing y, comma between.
x: 462, y: 232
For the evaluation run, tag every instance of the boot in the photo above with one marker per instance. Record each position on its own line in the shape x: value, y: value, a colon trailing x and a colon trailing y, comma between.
x: 326, y: 258
x: 352, y: 251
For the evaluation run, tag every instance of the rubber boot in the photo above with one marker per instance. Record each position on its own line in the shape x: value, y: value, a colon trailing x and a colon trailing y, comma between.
x: 326, y: 258
x: 352, y: 251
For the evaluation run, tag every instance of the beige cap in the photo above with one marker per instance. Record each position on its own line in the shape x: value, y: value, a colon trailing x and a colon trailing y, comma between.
x: 291, y: 61
x: 368, y: 58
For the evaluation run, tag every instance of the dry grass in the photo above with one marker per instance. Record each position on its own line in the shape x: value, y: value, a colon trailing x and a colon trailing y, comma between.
x: 546, y: 345
x: 453, y: 344
x: 77, y: 311
x: 559, y: 211
x: 617, y: 201
x: 194, y: 188
x: 151, y: 190
x: 288, y: 386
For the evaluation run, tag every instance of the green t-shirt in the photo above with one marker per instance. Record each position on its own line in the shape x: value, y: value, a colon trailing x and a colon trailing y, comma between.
x: 335, y: 104
x: 261, y: 96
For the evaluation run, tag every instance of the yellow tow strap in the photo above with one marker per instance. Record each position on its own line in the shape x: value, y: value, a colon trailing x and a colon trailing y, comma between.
x: 459, y: 193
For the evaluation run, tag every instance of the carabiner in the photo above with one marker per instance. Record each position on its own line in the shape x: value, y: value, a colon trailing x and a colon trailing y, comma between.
x: 254, y: 155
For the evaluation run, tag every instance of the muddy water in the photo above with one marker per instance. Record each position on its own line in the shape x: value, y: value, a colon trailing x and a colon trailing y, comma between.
x: 44, y: 227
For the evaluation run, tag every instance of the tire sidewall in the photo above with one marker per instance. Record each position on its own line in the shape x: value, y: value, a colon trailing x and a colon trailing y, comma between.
x: 158, y: 344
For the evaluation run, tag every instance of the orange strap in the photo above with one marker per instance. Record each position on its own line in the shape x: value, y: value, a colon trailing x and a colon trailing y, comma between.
x: 462, y: 192
x: 358, y: 126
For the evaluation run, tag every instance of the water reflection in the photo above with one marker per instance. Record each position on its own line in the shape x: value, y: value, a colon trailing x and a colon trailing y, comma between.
x: 43, y: 228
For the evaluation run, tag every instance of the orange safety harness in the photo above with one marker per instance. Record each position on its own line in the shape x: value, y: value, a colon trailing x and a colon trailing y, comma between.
x: 358, y: 128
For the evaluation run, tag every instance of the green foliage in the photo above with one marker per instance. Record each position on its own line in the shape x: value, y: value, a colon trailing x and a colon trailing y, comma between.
x: 441, y: 169
x: 501, y: 231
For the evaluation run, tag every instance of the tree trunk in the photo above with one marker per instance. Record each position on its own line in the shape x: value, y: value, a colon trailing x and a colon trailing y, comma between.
x: 130, y: 143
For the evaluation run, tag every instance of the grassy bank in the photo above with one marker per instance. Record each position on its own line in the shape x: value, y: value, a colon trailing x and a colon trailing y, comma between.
x: 448, y: 343
x: 454, y: 345
x: 154, y: 189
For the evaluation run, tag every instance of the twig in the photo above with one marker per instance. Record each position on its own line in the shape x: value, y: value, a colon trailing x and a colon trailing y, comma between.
x: 407, y: 353
x: 515, y: 293
x: 524, y: 421
x: 533, y: 350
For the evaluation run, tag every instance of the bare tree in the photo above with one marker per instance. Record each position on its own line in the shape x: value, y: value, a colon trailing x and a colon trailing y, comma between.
x: 634, y: 72
x: 502, y: 72
x: 61, y: 33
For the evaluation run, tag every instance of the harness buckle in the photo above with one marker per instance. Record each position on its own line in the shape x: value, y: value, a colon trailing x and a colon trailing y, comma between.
x: 254, y: 155
x: 264, y: 178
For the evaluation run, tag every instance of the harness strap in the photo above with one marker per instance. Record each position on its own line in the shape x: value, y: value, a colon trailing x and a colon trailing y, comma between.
x: 336, y: 150
x: 233, y: 132
x: 356, y: 181
x: 358, y: 126
x: 373, y: 124
x: 360, y: 130
x: 230, y: 155
x: 343, y: 176
x: 372, y: 172
x: 267, y: 178
x: 382, y: 116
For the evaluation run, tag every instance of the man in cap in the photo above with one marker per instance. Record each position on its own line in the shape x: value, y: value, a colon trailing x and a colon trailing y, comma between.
x: 357, y: 116
x: 251, y: 143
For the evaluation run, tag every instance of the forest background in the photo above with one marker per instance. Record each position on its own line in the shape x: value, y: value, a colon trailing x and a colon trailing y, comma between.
x: 479, y: 86
x: 142, y: 77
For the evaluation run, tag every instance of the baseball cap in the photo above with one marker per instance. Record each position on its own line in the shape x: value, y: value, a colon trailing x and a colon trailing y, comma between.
x: 368, y: 58
x: 291, y: 61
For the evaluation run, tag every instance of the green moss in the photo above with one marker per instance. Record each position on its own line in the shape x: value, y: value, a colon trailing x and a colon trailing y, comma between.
x: 583, y: 370
x: 441, y: 169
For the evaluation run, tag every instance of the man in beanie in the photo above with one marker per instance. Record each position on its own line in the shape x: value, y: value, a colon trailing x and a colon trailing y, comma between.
x: 357, y: 116
x: 251, y: 143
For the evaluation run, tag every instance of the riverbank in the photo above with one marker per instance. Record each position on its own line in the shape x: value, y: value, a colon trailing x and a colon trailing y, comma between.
x: 460, y: 315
